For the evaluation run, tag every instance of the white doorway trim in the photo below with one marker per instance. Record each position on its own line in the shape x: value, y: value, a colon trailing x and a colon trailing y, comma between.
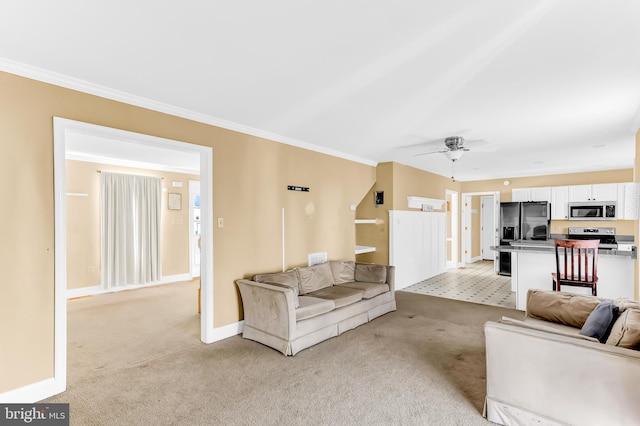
x: 466, y: 223
x: 453, y: 263
x: 62, y: 127
x: 194, y: 251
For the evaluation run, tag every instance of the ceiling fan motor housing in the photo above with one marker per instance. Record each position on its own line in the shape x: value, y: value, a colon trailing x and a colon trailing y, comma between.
x: 454, y: 143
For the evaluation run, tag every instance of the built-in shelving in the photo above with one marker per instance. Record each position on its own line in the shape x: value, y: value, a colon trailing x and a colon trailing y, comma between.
x: 364, y: 249
x: 360, y: 221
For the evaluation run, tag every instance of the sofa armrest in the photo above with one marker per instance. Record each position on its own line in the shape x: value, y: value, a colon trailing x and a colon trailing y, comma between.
x: 391, y: 278
x: 549, y: 375
x: 268, y: 308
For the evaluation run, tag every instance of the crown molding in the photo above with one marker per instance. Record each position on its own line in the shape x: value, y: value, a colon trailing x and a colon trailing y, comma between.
x: 62, y: 80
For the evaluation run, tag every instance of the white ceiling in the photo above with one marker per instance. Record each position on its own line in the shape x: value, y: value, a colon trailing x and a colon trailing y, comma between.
x: 553, y: 86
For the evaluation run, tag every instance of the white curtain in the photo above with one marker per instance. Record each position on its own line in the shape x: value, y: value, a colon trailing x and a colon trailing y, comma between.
x: 130, y: 229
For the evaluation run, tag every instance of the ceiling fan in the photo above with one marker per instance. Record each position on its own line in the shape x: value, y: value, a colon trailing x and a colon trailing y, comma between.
x: 455, y: 147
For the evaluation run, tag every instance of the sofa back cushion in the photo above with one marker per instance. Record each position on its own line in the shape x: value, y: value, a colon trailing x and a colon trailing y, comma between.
x: 287, y: 279
x: 314, y: 277
x: 624, y: 304
x: 371, y: 273
x: 564, y: 308
x: 344, y: 271
x: 626, y: 330
x: 282, y: 279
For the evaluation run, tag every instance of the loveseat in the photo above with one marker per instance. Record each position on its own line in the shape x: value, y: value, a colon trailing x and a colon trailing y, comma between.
x: 542, y: 370
x: 293, y: 310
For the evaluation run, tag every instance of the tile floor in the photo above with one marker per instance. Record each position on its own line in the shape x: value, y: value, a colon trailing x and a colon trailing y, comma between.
x: 476, y: 282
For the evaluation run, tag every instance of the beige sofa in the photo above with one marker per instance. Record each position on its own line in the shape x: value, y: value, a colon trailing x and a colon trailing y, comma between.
x: 541, y: 370
x: 293, y: 310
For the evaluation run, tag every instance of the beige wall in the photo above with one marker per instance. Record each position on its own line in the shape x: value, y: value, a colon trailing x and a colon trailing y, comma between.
x: 250, y: 176
x: 83, y: 222
x: 398, y: 181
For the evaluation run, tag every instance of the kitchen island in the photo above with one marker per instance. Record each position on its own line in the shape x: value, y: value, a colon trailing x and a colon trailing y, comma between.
x: 532, y: 263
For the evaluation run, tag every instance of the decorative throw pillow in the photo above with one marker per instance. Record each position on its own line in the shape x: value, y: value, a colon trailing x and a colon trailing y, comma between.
x: 626, y: 330
x: 600, y: 321
x: 370, y: 273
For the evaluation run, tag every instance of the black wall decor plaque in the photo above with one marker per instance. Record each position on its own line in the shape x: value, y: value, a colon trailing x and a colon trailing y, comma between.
x: 298, y: 188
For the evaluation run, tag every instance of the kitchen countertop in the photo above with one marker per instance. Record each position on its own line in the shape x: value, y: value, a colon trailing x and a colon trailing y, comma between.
x: 546, y: 246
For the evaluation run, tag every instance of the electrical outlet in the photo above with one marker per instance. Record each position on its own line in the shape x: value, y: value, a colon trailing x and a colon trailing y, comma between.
x: 220, y: 222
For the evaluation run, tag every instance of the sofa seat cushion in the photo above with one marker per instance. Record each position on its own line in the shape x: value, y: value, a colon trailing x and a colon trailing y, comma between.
x: 369, y: 290
x: 313, y: 306
x: 341, y: 296
x: 548, y: 327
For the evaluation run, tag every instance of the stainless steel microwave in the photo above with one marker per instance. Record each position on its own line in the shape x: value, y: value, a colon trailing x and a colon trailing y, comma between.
x: 593, y: 210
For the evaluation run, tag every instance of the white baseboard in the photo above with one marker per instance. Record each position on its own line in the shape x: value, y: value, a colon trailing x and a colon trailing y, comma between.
x: 32, y: 393
x: 475, y: 259
x: 226, y: 331
x: 90, y: 291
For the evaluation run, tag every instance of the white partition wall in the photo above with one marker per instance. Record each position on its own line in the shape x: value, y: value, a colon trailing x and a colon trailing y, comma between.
x: 417, y: 245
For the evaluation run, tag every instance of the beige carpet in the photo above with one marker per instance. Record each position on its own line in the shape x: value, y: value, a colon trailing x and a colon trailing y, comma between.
x: 136, y: 359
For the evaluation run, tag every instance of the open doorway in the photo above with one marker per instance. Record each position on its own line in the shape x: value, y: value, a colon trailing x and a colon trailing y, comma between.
x: 468, y: 239
x: 64, y: 129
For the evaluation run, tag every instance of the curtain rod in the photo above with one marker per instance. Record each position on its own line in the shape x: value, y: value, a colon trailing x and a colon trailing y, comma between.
x: 100, y: 171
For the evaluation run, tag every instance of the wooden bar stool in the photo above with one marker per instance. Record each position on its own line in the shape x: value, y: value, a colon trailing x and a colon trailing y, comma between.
x: 576, y: 264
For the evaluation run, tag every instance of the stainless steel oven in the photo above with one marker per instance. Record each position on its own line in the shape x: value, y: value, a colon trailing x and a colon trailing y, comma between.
x: 592, y: 210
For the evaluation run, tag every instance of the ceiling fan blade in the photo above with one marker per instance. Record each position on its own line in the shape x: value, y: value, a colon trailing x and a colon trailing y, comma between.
x: 427, y: 153
x: 479, y: 145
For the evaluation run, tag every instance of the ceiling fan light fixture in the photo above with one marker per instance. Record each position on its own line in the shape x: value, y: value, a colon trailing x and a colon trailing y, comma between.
x: 454, y: 155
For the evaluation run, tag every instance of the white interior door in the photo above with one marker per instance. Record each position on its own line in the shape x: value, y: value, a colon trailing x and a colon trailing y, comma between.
x: 487, y: 233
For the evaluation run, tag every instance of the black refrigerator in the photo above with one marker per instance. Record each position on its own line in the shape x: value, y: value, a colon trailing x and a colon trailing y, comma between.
x: 522, y: 221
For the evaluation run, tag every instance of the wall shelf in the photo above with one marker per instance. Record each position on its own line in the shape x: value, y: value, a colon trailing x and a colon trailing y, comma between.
x: 364, y: 249
x: 360, y: 221
x: 427, y: 204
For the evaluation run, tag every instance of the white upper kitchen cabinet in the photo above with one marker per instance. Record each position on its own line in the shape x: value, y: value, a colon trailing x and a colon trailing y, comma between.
x: 520, y: 194
x: 604, y: 192
x: 531, y: 194
x: 541, y: 194
x: 597, y: 192
x: 559, y: 200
